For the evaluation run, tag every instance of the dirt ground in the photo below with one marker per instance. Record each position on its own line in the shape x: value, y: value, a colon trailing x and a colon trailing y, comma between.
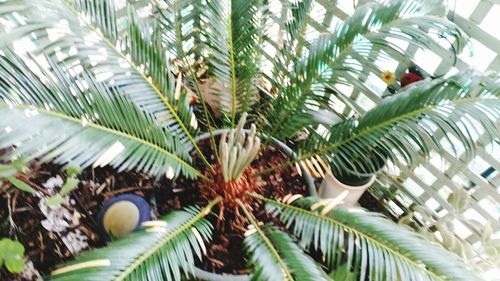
x: 53, y: 236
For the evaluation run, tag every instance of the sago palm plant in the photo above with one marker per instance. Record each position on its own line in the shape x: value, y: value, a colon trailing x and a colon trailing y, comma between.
x: 134, y: 84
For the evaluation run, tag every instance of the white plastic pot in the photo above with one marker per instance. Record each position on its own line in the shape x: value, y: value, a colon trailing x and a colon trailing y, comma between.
x: 349, y: 195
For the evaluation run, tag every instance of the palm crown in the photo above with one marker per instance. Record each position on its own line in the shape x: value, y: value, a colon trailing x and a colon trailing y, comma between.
x: 98, y: 84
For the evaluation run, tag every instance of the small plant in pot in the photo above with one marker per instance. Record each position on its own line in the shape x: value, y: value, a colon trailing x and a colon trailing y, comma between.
x: 349, y: 183
x: 131, y: 110
x: 351, y: 180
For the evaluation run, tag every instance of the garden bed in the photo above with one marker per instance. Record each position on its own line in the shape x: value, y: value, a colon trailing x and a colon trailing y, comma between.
x: 73, y: 227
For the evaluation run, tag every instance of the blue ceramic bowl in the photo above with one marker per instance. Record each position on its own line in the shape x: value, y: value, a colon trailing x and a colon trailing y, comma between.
x: 122, y: 214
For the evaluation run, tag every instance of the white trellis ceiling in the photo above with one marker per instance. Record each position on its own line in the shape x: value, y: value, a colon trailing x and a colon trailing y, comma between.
x: 433, y: 181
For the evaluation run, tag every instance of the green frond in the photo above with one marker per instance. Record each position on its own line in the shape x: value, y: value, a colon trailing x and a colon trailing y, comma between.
x: 132, y: 63
x: 102, y: 14
x: 142, y: 43
x: 419, y: 32
x: 162, y: 250
x: 374, y: 20
x: 275, y: 256
x: 147, y: 53
x: 295, y: 24
x: 409, y: 124
x: 284, y: 261
x: 232, y: 29
x: 372, y: 246
x: 77, y: 121
x: 343, y: 273
x: 180, y: 21
x: 335, y: 57
x: 86, y: 39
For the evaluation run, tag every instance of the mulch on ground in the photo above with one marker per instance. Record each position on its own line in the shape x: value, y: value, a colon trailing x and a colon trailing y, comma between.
x: 46, y: 247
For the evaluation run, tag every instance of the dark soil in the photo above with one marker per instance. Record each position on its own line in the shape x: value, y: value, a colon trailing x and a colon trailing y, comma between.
x: 46, y: 249
x: 226, y: 253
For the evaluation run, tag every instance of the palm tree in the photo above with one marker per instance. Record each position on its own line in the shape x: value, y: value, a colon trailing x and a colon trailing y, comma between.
x: 95, y: 83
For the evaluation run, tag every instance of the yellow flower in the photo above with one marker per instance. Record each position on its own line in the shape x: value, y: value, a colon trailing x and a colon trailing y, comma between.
x: 388, y: 77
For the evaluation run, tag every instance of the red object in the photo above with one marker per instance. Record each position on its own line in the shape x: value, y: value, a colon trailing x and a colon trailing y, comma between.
x: 409, y: 78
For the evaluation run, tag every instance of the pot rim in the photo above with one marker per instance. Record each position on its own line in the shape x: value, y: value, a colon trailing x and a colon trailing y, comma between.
x: 352, y: 187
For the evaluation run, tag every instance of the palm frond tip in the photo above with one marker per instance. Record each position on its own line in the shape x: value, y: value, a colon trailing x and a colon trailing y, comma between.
x: 410, y: 124
x: 342, y: 56
x: 374, y: 246
x: 162, y: 251
x: 275, y: 256
x: 97, y: 127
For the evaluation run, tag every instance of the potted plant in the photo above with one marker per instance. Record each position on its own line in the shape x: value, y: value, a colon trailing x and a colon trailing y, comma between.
x: 349, y: 184
x: 146, y: 122
x: 349, y: 189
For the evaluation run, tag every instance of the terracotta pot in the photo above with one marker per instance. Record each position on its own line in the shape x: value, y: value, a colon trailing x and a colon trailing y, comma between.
x: 331, y: 187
